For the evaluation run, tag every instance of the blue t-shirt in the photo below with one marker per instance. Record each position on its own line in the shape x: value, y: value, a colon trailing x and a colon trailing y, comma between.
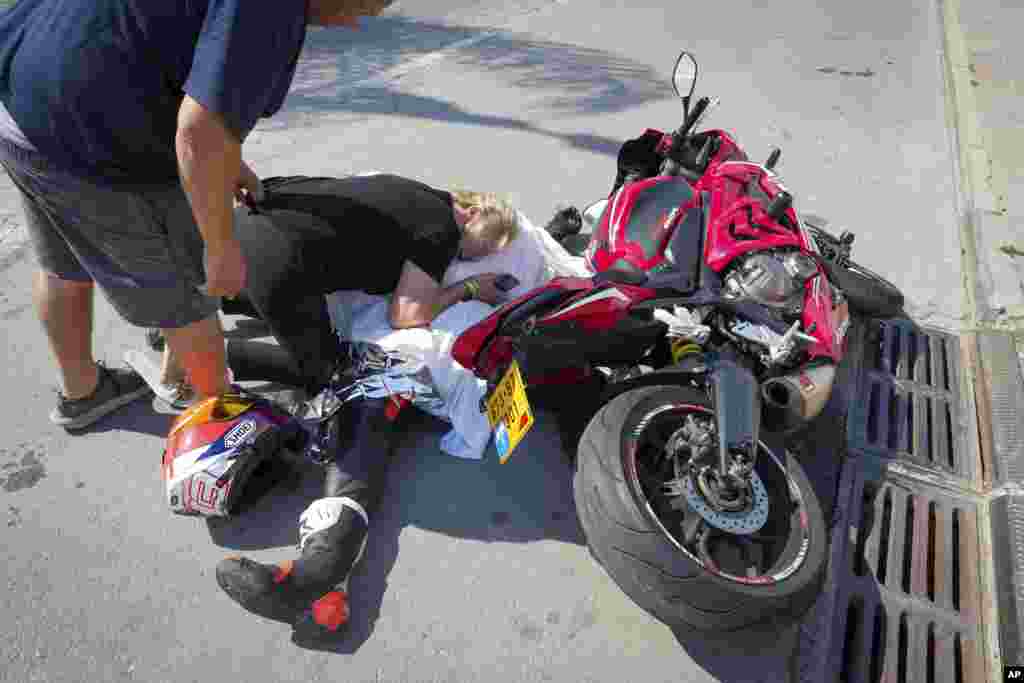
x: 95, y: 85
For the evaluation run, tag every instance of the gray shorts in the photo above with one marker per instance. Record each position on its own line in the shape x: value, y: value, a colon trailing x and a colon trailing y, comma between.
x: 141, y: 247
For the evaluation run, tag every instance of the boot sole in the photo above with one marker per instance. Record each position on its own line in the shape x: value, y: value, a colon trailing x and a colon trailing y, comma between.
x: 261, y: 606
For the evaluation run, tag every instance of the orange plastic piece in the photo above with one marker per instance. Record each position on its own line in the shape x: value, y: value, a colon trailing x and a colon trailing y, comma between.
x: 331, y: 611
x: 284, y: 570
x: 394, y: 407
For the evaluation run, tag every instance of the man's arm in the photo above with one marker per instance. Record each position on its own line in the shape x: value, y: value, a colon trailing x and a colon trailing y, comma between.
x: 418, y: 298
x: 210, y: 163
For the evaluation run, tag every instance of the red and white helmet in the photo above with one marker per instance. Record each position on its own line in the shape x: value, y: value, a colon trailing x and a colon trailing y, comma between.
x: 216, y: 445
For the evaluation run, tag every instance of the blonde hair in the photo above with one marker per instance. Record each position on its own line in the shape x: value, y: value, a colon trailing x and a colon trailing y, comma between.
x: 498, y: 224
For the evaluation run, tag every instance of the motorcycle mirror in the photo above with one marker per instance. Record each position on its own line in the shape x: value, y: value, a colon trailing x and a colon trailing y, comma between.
x: 592, y: 214
x: 684, y: 75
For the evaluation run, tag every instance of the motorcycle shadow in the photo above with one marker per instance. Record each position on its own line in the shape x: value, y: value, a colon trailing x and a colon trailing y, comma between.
x: 529, y: 499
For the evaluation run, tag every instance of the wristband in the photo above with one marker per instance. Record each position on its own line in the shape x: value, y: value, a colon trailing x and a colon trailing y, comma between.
x: 472, y: 288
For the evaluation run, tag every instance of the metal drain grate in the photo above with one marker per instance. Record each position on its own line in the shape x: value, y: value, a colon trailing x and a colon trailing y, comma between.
x: 907, y: 402
x: 902, y: 599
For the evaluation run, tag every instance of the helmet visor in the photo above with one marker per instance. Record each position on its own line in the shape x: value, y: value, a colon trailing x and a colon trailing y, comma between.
x: 216, y: 409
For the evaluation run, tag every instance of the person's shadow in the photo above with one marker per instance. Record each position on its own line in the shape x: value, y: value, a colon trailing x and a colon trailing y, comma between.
x: 426, y: 489
x: 363, y: 73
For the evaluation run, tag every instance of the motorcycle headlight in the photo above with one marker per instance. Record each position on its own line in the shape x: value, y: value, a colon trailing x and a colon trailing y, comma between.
x: 772, y: 279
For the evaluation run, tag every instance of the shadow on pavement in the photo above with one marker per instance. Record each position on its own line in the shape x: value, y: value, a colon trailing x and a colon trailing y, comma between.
x: 485, y: 501
x: 427, y: 489
x: 560, y: 79
x: 142, y: 416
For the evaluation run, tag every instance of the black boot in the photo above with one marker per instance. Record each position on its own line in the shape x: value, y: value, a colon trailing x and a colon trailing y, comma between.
x: 310, y: 593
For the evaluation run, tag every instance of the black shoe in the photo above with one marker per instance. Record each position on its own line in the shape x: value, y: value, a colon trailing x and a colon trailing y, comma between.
x: 310, y: 593
x: 117, y: 387
x: 260, y: 588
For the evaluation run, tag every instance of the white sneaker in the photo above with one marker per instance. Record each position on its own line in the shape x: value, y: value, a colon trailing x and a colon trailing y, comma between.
x: 178, y: 396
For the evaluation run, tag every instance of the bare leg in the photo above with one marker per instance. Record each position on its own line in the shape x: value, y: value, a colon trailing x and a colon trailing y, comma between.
x: 65, y: 309
x: 200, y: 349
x: 171, y: 371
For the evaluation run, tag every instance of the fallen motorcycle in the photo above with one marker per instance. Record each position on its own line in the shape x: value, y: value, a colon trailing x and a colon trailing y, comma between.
x: 714, y: 313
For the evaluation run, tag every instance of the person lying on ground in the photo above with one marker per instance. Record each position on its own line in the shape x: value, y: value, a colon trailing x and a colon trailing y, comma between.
x: 382, y: 234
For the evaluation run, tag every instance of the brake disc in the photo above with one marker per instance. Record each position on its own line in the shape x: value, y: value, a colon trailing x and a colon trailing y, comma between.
x: 745, y: 522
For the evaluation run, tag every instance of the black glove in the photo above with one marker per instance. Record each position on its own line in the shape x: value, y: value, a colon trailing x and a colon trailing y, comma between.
x: 566, y: 222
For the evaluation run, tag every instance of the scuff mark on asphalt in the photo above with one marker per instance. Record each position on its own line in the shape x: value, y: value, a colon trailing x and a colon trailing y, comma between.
x: 24, y: 474
x: 866, y: 73
x: 528, y: 630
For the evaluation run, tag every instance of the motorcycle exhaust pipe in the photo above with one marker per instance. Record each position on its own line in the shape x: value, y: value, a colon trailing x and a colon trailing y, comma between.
x: 795, y: 399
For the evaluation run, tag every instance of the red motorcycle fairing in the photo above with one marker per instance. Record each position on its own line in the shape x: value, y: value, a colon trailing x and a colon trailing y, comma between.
x: 638, y: 222
x: 739, y: 224
x: 468, y: 345
x: 598, y: 309
x: 585, y: 310
x: 827, y: 321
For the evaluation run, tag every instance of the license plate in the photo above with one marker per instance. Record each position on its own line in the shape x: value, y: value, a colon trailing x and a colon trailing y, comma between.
x: 508, y: 411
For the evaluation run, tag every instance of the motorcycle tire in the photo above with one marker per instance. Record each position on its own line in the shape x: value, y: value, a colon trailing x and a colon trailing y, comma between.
x: 867, y: 292
x: 648, y: 564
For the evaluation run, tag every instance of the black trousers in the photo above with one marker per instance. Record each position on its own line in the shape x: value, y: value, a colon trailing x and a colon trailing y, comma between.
x: 359, y: 466
x: 290, y: 269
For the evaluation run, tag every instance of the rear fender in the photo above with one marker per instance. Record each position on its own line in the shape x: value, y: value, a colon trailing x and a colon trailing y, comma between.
x: 470, y: 345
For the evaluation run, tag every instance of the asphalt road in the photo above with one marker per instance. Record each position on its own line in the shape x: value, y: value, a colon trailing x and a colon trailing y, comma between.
x: 474, y: 571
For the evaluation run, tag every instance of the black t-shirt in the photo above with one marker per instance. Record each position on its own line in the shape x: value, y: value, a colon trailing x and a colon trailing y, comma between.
x: 378, y: 222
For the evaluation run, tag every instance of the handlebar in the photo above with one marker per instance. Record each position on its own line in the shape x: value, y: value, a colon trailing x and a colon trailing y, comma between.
x: 690, y: 120
x: 779, y: 205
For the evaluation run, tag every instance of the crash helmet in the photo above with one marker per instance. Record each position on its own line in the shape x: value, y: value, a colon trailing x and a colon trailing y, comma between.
x: 219, y: 446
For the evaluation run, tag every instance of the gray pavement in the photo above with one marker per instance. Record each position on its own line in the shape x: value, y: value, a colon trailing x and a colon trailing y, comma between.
x: 474, y: 571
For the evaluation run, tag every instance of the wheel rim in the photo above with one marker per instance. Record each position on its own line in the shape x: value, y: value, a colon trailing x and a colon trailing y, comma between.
x: 652, y: 455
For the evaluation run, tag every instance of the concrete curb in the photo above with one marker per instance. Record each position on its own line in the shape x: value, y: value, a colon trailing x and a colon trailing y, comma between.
x: 973, y: 170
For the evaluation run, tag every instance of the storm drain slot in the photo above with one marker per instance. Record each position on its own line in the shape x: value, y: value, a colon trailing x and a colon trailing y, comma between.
x: 907, y: 404
x: 899, y: 648
x: 910, y: 544
x: 905, y: 589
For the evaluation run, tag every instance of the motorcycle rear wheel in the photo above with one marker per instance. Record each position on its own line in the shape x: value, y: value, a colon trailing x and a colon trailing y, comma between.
x: 649, y: 562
